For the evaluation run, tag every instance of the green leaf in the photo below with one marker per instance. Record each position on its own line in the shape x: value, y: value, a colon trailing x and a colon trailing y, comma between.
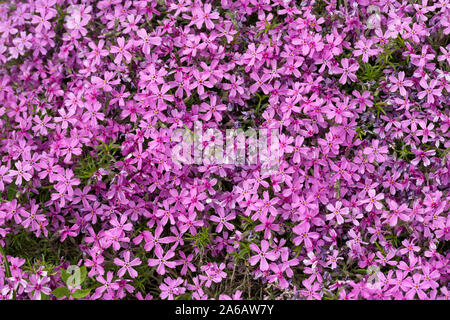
x: 45, y: 297
x: 337, y: 187
x: 298, y: 250
x: 83, y: 271
x: 12, y: 190
x: 379, y: 247
x: 81, y: 293
x: 61, y: 292
x: 186, y: 296
x: 64, y: 275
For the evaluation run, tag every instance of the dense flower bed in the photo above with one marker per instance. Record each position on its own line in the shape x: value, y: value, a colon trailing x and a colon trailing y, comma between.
x: 94, y: 207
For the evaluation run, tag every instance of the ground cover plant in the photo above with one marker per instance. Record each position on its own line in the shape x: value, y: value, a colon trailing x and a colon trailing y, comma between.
x: 94, y: 206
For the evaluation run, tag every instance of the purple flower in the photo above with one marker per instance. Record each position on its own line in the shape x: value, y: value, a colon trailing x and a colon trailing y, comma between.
x: 262, y: 255
x: 22, y: 172
x: 171, y: 288
x: 127, y: 265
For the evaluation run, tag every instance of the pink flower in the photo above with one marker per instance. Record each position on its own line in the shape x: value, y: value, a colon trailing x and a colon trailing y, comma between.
x: 262, y: 255
x: 105, y: 83
x: 235, y: 86
x: 38, y: 285
x: 348, y: 70
x: 66, y: 118
x: 97, y: 51
x: 107, y: 285
x: 363, y: 47
x: 416, y: 286
x: 42, y: 20
x: 127, y: 265
x: 337, y: 212
x: 312, y: 289
x: 395, y: 212
x: 268, y: 225
x: 409, y: 248
x: 267, y: 204
x: 65, y: 182
x: 426, y: 132
x: 304, y: 235
x: 71, y: 148
x: 445, y: 54
x: 333, y: 259
x: 373, y: 200
x: 23, y: 171
x: 400, y: 83
x: 205, y: 16
x: 376, y: 153
x: 422, y: 156
x: 162, y: 260
x: 171, y: 288
x: 429, y: 90
x: 77, y: 19
x: 223, y: 219
x: 252, y: 55
x: 213, y: 109
x: 4, y: 177
x: 122, y: 50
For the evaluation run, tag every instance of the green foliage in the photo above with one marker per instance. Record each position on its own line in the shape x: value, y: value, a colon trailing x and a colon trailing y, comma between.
x: 360, y: 132
x: 202, y: 238
x: 369, y: 72
x: 248, y: 223
x: 403, y: 151
x: 104, y: 157
x: 268, y: 26
x: 106, y: 152
x: 298, y: 250
x: 242, y: 252
x: 40, y: 251
x: 6, y: 267
x: 393, y: 238
x: 61, y: 292
x: 444, y: 155
x: 12, y: 191
x: 379, y: 109
x: 388, y: 58
x: 328, y: 295
x: 81, y: 293
x: 76, y: 279
x: 337, y: 187
x: 186, y: 296
x: 260, y: 100
x: 379, y: 247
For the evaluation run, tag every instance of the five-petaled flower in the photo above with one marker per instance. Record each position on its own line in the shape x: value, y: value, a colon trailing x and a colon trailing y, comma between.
x: 127, y: 265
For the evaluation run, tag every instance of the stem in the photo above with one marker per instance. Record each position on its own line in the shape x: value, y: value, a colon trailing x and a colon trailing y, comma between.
x: 7, y: 269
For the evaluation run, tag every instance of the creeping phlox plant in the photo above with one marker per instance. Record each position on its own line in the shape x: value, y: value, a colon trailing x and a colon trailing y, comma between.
x: 94, y: 205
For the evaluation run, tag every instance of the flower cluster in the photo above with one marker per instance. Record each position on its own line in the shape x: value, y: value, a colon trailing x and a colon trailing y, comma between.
x: 92, y: 92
